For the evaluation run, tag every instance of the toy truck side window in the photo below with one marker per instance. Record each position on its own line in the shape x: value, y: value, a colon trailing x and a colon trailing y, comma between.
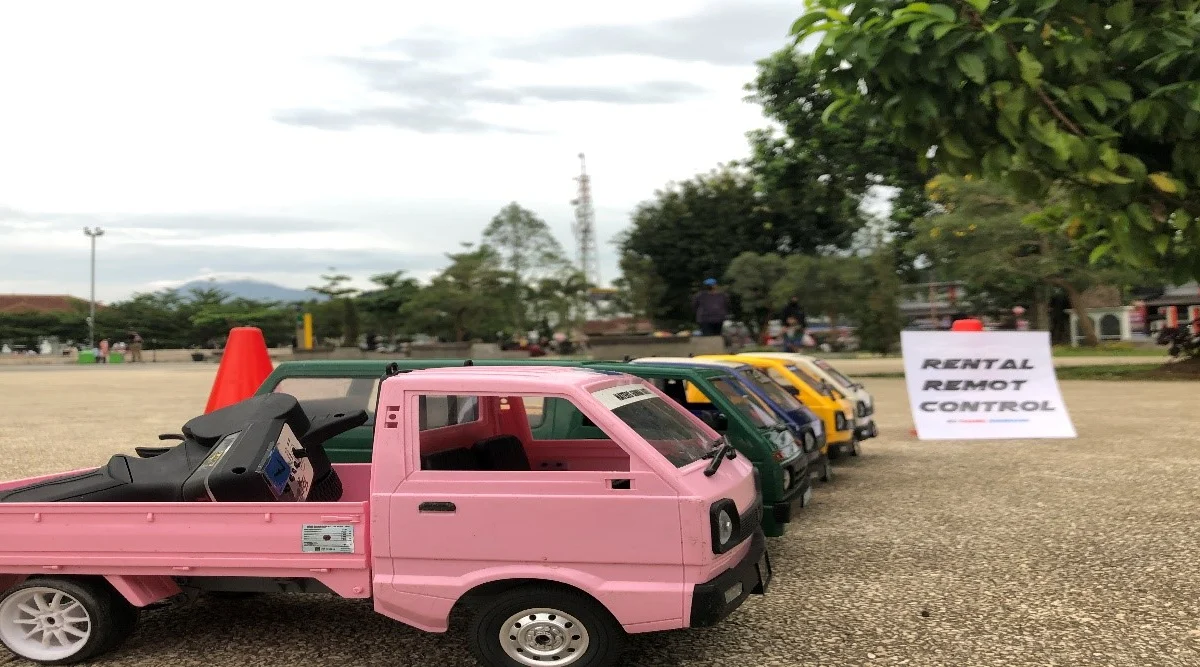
x: 327, y: 395
x: 691, y: 397
x: 493, y: 433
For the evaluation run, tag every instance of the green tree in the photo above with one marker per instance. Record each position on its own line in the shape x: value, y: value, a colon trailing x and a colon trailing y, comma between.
x: 1100, y: 100
x: 639, y: 288
x: 382, y: 306
x: 526, y: 248
x: 556, y: 299
x: 982, y: 240
x: 752, y: 278
x: 876, y: 309
x: 341, y: 309
x: 816, y: 176
x: 460, y: 302
x: 214, y: 320
x: 822, y: 284
x: 692, y: 230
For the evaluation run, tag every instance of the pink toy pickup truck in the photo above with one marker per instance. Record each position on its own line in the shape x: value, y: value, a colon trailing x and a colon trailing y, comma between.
x: 557, y: 548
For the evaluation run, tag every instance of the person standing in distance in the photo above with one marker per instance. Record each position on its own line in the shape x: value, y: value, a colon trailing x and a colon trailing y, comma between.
x: 711, y: 306
x: 794, y: 309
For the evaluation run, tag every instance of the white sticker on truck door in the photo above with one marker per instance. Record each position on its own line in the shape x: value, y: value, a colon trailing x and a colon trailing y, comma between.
x: 614, y: 397
x: 320, y: 538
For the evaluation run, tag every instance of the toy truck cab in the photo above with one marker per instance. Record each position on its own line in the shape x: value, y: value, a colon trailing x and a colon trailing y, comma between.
x: 804, y: 425
x: 558, y: 548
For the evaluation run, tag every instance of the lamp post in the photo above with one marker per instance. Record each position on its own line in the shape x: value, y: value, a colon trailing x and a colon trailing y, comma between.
x: 93, y: 233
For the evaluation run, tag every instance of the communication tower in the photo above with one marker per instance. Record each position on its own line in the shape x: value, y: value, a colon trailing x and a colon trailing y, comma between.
x: 585, y: 227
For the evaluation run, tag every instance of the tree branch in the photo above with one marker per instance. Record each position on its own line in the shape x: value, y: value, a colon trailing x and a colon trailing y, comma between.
x: 977, y: 21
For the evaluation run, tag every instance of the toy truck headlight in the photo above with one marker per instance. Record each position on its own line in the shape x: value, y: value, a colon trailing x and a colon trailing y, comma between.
x: 724, y: 527
x: 724, y: 518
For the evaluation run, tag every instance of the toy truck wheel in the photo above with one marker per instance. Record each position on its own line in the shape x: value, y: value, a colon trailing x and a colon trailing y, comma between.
x: 60, y: 621
x: 826, y: 471
x: 545, y: 626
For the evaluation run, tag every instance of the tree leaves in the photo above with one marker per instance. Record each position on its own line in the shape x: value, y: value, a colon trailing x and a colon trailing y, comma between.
x: 943, y: 12
x: 1102, y: 175
x: 802, y: 27
x: 1031, y: 68
x: 1120, y: 14
x: 1164, y: 183
x: 1099, y: 252
x: 1117, y: 90
x: 972, y: 66
x: 1093, y: 97
x: 956, y: 145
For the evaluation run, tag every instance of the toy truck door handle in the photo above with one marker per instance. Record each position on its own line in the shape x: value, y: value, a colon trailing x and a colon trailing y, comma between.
x: 436, y: 507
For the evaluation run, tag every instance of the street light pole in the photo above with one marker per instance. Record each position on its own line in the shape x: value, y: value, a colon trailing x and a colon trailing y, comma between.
x: 93, y: 233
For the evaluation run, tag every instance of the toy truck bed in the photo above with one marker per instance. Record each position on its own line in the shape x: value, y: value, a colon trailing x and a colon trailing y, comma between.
x: 324, y: 541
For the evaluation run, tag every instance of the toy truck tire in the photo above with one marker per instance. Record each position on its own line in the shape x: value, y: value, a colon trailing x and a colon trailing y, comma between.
x: 564, y: 628
x: 826, y: 470
x: 85, y: 606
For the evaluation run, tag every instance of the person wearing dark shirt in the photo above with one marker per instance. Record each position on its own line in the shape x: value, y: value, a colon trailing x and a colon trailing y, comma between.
x: 711, y: 306
x: 794, y: 309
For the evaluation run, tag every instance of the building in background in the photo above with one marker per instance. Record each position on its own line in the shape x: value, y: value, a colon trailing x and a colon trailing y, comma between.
x: 933, y: 305
x: 42, y: 303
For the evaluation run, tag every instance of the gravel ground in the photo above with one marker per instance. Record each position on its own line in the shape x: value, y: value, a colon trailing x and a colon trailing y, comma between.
x: 1078, y: 552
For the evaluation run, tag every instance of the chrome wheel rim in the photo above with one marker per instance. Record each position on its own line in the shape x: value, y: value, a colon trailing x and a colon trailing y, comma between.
x: 544, y: 637
x: 43, y: 623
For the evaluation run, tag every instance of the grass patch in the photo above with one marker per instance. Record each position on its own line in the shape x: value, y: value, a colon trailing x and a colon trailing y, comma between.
x: 1177, y: 372
x: 1110, y: 350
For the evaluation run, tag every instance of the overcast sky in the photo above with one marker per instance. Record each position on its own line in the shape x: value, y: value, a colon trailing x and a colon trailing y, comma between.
x: 272, y: 140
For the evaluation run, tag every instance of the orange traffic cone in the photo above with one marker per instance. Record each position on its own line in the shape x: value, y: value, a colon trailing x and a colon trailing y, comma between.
x: 244, y: 366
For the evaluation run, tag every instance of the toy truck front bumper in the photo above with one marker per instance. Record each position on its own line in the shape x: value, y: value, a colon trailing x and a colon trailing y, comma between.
x: 865, y: 430
x: 797, y: 496
x: 717, y: 598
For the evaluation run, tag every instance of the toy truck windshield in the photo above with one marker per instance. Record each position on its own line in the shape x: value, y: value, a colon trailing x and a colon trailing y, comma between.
x: 773, y: 390
x: 660, y: 424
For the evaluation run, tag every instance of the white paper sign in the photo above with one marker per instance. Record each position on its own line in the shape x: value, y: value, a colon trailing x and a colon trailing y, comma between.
x: 974, y: 385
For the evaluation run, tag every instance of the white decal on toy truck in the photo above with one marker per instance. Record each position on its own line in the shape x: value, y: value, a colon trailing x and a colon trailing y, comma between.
x: 300, y: 470
x: 615, y: 397
x: 327, y: 539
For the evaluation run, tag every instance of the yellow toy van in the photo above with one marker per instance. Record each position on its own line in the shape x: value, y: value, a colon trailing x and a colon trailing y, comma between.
x: 834, y: 408
x: 864, y: 408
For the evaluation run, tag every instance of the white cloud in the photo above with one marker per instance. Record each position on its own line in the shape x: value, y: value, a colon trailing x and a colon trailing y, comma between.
x: 128, y: 113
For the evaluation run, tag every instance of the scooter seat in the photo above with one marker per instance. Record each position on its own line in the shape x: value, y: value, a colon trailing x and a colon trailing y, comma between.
x: 258, y: 450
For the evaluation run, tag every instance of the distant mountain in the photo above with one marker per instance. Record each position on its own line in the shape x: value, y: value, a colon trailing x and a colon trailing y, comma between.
x: 253, y: 289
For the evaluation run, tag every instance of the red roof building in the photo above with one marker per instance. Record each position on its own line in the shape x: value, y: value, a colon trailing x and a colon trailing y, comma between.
x: 42, y: 303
